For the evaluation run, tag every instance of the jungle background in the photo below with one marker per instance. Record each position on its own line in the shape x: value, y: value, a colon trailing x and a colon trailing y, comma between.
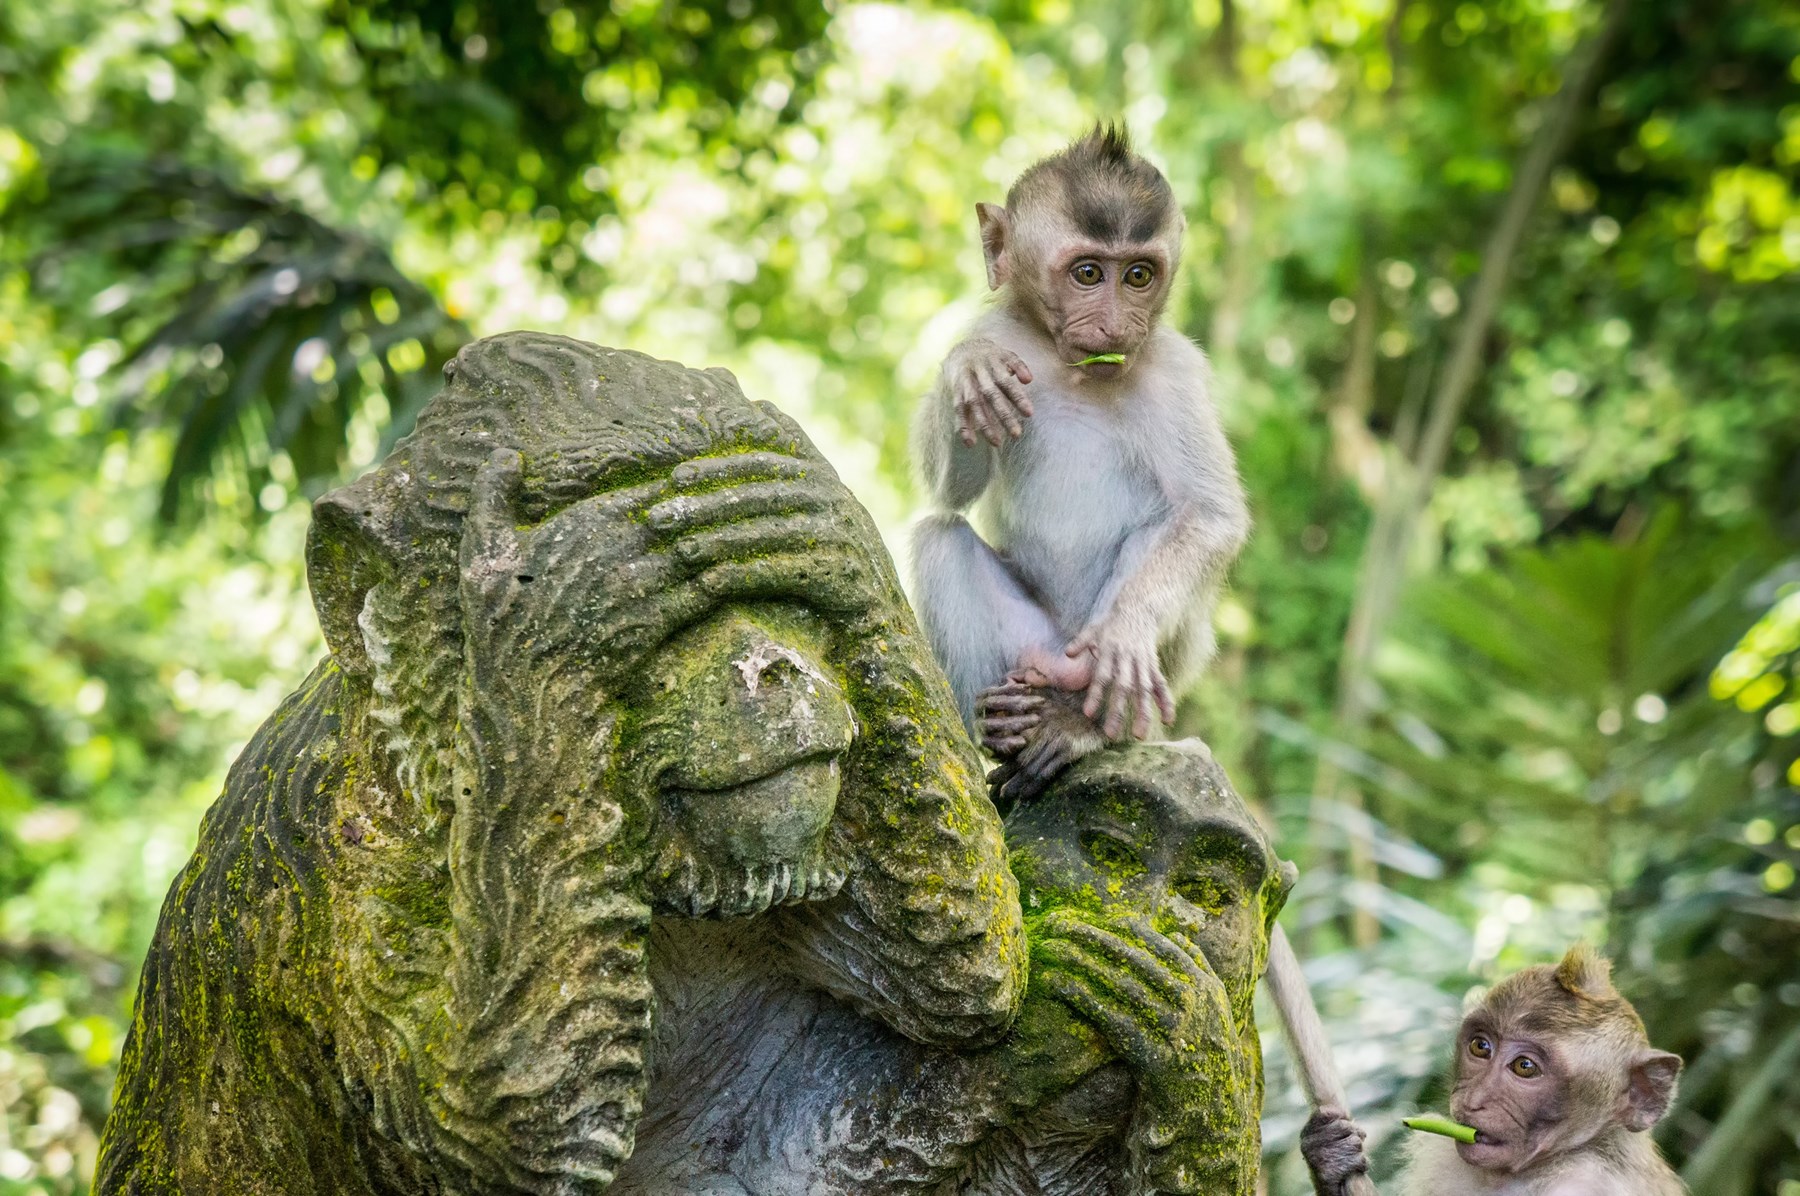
x: 1504, y: 300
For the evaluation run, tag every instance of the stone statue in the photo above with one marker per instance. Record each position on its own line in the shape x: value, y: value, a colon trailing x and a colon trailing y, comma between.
x: 1134, y: 1066
x: 628, y: 782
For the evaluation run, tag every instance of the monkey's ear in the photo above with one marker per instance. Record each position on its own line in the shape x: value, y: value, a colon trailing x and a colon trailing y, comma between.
x: 1653, y: 1077
x: 1584, y: 972
x: 1287, y: 875
x: 348, y: 550
x: 996, y: 240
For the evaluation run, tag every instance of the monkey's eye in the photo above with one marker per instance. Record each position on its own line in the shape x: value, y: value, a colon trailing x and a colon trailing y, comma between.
x: 1525, y: 1067
x: 1139, y: 275
x: 1087, y: 274
x: 1481, y: 1048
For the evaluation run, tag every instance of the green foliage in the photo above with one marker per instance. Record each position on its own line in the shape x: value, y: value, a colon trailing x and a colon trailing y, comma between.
x: 1586, y: 715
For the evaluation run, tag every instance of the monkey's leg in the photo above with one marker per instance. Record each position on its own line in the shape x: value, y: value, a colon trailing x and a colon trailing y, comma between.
x: 980, y: 621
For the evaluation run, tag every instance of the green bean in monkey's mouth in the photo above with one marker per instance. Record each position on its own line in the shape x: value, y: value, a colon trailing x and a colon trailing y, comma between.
x: 1441, y: 1125
x: 1102, y: 359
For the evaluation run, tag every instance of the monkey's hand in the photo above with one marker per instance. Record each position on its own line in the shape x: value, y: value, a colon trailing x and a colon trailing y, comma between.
x: 1166, y: 1013
x: 1332, y: 1146
x: 987, y: 384
x: 1126, y: 664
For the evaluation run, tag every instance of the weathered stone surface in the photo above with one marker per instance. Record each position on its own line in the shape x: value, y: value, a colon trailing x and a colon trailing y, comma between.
x: 1134, y: 1066
x: 629, y: 786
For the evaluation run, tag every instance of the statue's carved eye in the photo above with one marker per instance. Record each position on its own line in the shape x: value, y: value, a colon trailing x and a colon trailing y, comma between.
x: 1208, y: 892
x: 1117, y: 858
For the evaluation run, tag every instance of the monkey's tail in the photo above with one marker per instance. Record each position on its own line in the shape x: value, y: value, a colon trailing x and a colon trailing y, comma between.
x: 1306, y: 1037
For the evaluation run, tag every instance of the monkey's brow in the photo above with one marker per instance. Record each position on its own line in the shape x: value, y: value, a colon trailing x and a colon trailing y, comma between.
x: 1116, y: 250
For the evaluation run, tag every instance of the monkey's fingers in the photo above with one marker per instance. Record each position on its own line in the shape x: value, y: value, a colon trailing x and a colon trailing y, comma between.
x: 999, y: 401
x: 1015, y: 365
x: 1106, y: 667
x: 1000, y: 774
x: 1078, y: 959
x: 784, y: 576
x: 733, y: 503
x: 1177, y: 953
x: 1124, y: 692
x: 1003, y: 746
x: 1009, y: 702
x: 1018, y: 725
x: 1142, y: 699
x: 1039, y: 762
x: 1165, y: 700
x: 1119, y: 1027
x: 1126, y: 959
x: 490, y: 549
x: 972, y: 404
x: 740, y: 467
x: 1013, y: 391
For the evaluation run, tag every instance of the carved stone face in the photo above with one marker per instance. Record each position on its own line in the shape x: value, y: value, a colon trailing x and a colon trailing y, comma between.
x: 1156, y: 829
x: 738, y: 762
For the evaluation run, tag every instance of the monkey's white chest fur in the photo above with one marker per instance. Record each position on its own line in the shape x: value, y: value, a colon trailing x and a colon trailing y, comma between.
x: 1067, y: 497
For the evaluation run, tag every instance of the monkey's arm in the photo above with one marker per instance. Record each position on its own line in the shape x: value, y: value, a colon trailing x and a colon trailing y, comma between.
x: 1165, y: 1012
x: 926, y: 934
x: 1169, y: 571
x: 980, y: 396
x: 534, y: 1081
x: 955, y: 473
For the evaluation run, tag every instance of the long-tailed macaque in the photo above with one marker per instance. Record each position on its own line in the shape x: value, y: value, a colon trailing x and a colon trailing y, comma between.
x: 1556, y: 1075
x: 1111, y: 491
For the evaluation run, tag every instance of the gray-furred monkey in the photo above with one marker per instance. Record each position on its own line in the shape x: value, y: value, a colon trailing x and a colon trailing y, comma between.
x: 1556, y: 1074
x: 1110, y: 489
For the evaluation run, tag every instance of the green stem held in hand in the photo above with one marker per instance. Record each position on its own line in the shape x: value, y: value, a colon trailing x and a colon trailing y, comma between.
x: 1441, y: 1125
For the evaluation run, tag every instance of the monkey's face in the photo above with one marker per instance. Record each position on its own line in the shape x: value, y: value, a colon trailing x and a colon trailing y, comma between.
x: 1518, y: 1090
x: 1160, y: 846
x: 1540, y: 1071
x: 1103, y: 298
x: 737, y: 756
x: 1097, y: 294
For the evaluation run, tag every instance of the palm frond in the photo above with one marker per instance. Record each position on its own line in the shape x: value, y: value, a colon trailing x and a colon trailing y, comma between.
x: 254, y: 330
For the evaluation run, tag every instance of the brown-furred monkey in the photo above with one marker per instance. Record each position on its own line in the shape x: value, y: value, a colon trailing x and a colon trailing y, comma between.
x: 1555, y: 1072
x: 1110, y: 489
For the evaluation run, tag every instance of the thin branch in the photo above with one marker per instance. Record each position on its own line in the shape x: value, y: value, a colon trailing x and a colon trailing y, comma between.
x: 1391, y: 539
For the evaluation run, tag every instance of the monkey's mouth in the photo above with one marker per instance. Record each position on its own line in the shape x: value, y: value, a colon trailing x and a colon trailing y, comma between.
x: 1486, y: 1151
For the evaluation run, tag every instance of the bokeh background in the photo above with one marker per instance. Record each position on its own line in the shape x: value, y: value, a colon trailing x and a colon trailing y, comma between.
x: 1507, y: 333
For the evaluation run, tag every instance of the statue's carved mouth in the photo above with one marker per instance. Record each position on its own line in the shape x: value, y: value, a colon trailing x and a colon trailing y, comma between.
x: 765, y: 837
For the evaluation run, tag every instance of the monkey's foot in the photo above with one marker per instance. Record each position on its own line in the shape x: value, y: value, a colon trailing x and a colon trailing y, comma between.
x: 1048, y: 669
x: 1007, y: 714
x: 1062, y: 735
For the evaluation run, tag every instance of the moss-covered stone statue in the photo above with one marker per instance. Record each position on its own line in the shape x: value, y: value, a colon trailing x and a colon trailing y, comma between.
x: 1134, y: 1066
x: 628, y: 783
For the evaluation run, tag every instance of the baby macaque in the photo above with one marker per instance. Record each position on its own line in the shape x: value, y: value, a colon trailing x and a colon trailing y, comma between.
x: 1557, y: 1077
x: 1111, y: 492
